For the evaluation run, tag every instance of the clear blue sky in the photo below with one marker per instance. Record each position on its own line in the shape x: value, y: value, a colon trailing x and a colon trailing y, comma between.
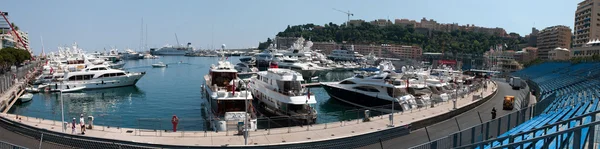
x: 95, y: 25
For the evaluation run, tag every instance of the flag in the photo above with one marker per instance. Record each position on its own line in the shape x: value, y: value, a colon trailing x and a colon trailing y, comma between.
x: 51, y: 70
x: 407, y: 85
x: 233, y: 87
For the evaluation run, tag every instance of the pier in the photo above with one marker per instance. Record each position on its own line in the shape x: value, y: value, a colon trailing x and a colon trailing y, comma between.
x: 8, y: 99
x: 269, y: 138
x: 13, y: 84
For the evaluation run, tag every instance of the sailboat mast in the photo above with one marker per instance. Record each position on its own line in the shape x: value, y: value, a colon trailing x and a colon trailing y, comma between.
x: 42, y: 40
x: 176, y: 39
x: 146, y: 40
x: 141, y: 35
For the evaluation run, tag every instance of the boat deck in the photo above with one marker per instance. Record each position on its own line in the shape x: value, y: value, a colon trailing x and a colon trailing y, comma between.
x: 284, y: 135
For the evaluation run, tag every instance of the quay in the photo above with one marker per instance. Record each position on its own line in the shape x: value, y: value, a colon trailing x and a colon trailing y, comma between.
x: 14, y: 86
x: 343, y: 132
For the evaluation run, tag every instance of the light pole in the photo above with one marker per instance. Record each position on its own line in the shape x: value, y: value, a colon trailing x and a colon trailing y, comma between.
x: 392, y: 115
x: 62, y: 111
x: 246, y: 115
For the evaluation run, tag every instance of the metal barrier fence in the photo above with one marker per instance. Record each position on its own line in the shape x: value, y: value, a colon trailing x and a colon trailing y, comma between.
x: 6, y: 145
x: 568, y: 131
x: 482, y: 132
x: 7, y: 78
x: 78, y: 141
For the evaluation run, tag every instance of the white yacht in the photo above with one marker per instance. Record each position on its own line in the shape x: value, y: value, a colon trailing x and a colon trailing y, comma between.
x: 345, y: 55
x: 440, y: 90
x: 378, y: 90
x: 96, y: 77
x: 131, y: 55
x: 172, y: 50
x: 307, y: 69
x: 280, y: 93
x: 371, y: 59
x: 228, y: 98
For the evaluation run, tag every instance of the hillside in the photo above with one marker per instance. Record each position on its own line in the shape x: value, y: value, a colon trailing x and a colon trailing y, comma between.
x: 432, y: 41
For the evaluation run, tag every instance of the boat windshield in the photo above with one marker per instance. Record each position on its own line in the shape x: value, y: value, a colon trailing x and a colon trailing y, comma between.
x: 448, y: 88
x: 222, y: 79
x: 396, y: 92
x: 290, y: 88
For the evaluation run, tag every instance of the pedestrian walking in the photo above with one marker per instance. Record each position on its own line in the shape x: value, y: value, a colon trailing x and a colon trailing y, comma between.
x: 494, y: 113
x: 82, y: 123
x: 73, y: 126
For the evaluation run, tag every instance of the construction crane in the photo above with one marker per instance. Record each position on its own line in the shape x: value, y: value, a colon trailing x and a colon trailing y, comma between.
x: 13, y: 29
x: 347, y: 13
x: 15, y: 32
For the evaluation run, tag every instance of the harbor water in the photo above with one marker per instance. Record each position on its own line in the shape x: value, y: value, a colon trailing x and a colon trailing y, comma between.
x: 160, y: 94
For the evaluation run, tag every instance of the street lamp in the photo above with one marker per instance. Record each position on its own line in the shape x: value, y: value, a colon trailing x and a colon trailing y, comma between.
x: 62, y: 112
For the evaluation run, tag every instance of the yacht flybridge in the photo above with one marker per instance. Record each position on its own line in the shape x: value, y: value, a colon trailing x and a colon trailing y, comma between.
x: 229, y: 100
x: 279, y: 92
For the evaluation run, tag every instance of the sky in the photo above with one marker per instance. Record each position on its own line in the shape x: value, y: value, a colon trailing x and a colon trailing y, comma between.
x: 96, y: 25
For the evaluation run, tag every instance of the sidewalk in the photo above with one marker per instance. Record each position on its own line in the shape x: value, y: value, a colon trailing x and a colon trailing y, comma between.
x: 284, y: 135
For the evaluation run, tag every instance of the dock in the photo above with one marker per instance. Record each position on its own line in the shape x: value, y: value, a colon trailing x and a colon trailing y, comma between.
x: 8, y: 99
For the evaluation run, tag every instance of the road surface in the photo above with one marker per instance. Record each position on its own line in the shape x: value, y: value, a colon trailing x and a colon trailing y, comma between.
x: 448, y: 127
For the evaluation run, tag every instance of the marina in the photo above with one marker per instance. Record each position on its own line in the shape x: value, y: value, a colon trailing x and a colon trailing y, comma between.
x: 294, y: 80
x: 156, y: 96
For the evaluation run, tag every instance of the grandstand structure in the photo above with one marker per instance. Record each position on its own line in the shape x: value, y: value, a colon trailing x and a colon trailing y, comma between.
x: 565, y: 116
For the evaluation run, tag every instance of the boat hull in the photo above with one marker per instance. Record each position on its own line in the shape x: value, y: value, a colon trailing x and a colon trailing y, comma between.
x: 99, y: 83
x: 217, y: 123
x: 357, y: 99
x: 169, y: 52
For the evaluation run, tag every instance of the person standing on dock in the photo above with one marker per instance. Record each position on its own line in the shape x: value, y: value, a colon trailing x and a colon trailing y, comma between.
x: 73, y: 127
x: 82, y: 123
x: 175, y: 121
x: 494, y: 113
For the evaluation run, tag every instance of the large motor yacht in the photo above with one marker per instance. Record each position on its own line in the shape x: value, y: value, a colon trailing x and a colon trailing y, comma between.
x: 172, y: 50
x: 345, y: 55
x: 228, y: 98
x: 307, y: 69
x: 279, y: 92
x: 96, y: 77
x: 378, y: 90
x: 131, y: 55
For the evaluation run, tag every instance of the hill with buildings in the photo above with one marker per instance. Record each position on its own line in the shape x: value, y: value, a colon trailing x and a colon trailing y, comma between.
x: 431, y: 38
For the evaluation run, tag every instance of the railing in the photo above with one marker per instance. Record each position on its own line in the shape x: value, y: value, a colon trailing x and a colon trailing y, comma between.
x: 6, y: 145
x: 483, y: 130
x: 547, y: 138
x: 7, y: 79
